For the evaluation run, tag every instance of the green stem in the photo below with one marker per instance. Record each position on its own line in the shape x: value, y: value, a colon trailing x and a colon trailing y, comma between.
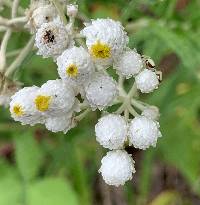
x: 82, y: 115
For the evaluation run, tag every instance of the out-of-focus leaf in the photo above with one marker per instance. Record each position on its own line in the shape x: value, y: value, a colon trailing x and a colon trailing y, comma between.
x: 51, y: 191
x: 169, y: 198
x: 178, y: 43
x: 180, y: 145
x: 10, y: 188
x: 28, y: 155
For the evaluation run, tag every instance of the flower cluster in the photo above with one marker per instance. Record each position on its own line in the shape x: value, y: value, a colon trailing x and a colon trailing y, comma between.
x: 85, y: 84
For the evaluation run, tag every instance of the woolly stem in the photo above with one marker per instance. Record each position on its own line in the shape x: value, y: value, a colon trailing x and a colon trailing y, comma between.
x: 24, y: 52
x: 82, y: 115
x: 12, y: 22
x: 3, y: 48
x: 60, y: 10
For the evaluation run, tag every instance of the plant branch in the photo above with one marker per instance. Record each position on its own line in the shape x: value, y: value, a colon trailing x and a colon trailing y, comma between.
x: 60, y: 10
x: 22, y: 55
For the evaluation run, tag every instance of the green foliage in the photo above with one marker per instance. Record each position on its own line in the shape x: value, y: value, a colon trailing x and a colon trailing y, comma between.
x: 28, y: 155
x: 10, y: 186
x: 51, y: 191
x: 61, y: 169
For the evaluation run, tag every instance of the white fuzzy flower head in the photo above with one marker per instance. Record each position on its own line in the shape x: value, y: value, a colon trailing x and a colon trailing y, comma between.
x: 147, y: 81
x: 60, y: 123
x: 105, y: 39
x: 117, y: 167
x: 75, y: 64
x: 54, y: 98
x: 152, y: 112
x: 111, y: 131
x: 143, y: 132
x: 22, y: 107
x: 101, y: 91
x: 40, y: 15
x: 129, y: 63
x: 72, y: 10
x: 52, y: 39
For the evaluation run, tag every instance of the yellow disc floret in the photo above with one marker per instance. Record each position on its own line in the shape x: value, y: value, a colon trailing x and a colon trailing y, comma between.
x: 42, y: 102
x: 100, y: 50
x: 72, y: 70
x: 17, y: 109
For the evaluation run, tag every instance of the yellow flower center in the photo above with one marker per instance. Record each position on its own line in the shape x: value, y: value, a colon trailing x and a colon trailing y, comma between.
x: 42, y: 102
x: 72, y: 70
x: 17, y: 109
x: 100, y: 50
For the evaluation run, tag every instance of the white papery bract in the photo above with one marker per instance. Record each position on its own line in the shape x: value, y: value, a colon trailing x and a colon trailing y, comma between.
x: 59, y: 123
x: 152, y: 112
x: 147, y: 81
x: 54, y: 98
x: 129, y: 63
x: 117, y: 167
x: 101, y: 91
x: 111, y: 131
x: 143, y: 132
x: 22, y: 106
x: 42, y: 14
x: 52, y: 39
x: 75, y: 64
x: 105, y: 39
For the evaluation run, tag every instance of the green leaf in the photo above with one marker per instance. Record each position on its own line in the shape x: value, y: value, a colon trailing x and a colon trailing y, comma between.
x: 51, y: 191
x: 179, y: 43
x: 10, y: 188
x: 28, y: 155
x: 169, y: 198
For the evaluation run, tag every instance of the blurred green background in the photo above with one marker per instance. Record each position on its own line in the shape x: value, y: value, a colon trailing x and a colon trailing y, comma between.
x: 38, y: 167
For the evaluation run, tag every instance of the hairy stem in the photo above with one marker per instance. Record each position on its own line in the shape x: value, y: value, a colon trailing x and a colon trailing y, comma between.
x: 60, y: 10
x: 24, y: 52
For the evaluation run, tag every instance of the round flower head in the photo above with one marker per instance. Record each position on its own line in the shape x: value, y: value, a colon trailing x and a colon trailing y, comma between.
x: 101, y: 91
x: 75, y: 64
x: 52, y: 39
x: 117, y: 167
x: 152, y: 112
x: 105, y: 39
x: 54, y: 98
x: 111, y: 131
x: 40, y: 15
x: 72, y: 10
x: 60, y: 123
x: 22, y: 107
x: 143, y: 132
x: 147, y: 81
x: 128, y: 64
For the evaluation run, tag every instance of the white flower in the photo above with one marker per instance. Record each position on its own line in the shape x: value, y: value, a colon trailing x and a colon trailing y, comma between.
x: 117, y: 167
x: 54, y: 98
x: 40, y: 15
x: 143, y: 132
x: 152, y: 112
x: 147, y: 81
x: 105, y: 39
x: 101, y: 91
x: 75, y: 64
x: 111, y: 131
x: 72, y: 10
x: 22, y: 107
x: 61, y: 123
x: 52, y: 39
x: 129, y: 63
